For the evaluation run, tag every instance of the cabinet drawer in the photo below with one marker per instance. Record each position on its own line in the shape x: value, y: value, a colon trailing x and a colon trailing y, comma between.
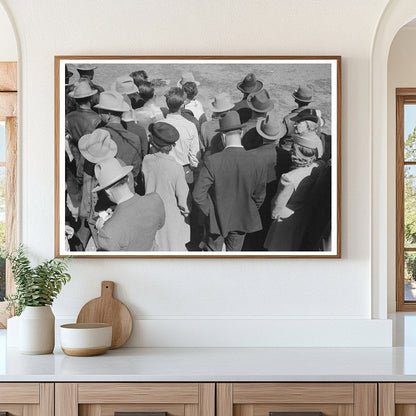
x: 147, y: 399
x: 308, y: 399
x: 397, y: 399
x: 21, y: 399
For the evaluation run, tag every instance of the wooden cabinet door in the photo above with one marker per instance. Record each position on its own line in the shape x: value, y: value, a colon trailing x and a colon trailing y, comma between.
x: 397, y: 399
x: 26, y: 399
x: 296, y: 399
x: 143, y: 399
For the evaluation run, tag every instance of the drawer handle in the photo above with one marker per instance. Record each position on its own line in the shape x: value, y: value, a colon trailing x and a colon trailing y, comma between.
x: 295, y: 414
x: 139, y: 414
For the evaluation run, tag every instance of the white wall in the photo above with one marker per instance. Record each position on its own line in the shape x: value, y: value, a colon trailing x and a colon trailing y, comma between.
x: 401, y: 74
x: 8, y: 47
x: 215, y: 301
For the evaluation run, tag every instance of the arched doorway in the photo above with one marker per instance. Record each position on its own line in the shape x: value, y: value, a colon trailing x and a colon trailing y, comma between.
x: 397, y: 14
x: 8, y: 150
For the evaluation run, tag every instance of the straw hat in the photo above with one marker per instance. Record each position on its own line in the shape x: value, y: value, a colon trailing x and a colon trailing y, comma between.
x: 112, y: 101
x: 260, y: 102
x: 270, y: 128
x: 124, y: 85
x: 230, y: 121
x: 82, y: 90
x: 108, y: 172
x: 187, y: 77
x: 85, y: 67
x: 163, y: 134
x: 250, y: 84
x: 222, y: 102
x: 97, y: 146
x: 304, y: 93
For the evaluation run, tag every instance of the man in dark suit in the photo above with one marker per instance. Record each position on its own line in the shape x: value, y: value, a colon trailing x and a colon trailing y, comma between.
x: 230, y: 189
x: 270, y: 130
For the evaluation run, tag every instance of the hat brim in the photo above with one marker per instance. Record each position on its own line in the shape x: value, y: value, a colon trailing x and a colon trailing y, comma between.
x: 86, y: 69
x: 132, y: 91
x: 126, y: 107
x: 112, y: 151
x: 303, y: 100
x: 258, y: 110
x: 72, y: 94
x: 221, y: 110
x: 257, y: 88
x: 230, y: 128
x: 125, y: 170
x: 277, y: 136
x: 180, y: 85
x: 298, y: 118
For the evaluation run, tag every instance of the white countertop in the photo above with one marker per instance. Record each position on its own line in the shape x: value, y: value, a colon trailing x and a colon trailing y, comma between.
x: 222, y: 364
x: 215, y: 364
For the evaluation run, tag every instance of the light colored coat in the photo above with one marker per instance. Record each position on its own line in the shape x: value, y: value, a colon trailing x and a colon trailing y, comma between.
x: 165, y: 176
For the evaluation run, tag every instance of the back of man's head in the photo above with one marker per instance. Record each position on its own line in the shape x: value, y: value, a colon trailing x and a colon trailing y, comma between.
x: 174, y: 99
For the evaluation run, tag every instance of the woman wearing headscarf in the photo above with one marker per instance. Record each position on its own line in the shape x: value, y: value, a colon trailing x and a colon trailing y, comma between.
x: 290, y: 206
x: 164, y: 175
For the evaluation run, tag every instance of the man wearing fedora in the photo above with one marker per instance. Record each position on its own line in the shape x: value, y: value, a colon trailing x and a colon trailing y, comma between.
x: 249, y: 85
x: 83, y: 120
x: 260, y: 104
x: 221, y: 104
x: 127, y: 88
x: 135, y: 220
x: 79, y: 122
x: 271, y: 130
x: 230, y: 188
x: 86, y: 71
x: 303, y: 97
x: 111, y: 107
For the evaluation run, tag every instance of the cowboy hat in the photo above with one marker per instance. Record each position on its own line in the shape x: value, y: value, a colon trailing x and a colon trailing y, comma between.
x: 250, y: 84
x: 309, y: 114
x: 108, y: 172
x: 303, y: 93
x: 230, y: 121
x: 124, y: 85
x: 270, y: 128
x: 163, y: 134
x: 97, y: 146
x: 187, y: 77
x: 82, y: 90
x: 222, y: 102
x: 85, y: 67
x: 260, y: 102
x: 112, y: 101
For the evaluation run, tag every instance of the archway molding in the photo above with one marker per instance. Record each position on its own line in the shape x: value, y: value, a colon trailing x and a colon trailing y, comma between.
x: 396, y: 14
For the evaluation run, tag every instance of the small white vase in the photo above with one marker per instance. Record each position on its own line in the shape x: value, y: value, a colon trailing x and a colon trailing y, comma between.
x: 37, y: 330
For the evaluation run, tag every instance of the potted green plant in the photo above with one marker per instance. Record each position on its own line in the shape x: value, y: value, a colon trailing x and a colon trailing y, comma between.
x: 36, y: 289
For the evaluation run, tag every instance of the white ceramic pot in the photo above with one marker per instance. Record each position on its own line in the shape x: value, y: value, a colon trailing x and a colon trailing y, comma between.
x: 86, y: 339
x: 37, y: 330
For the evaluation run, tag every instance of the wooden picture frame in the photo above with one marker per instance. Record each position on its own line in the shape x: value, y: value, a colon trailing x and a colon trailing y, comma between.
x: 307, y: 224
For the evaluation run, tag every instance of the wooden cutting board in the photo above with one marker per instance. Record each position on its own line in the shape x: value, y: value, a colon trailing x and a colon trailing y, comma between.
x: 107, y: 309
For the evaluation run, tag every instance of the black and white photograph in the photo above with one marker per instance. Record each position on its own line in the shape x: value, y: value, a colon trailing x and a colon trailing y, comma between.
x: 197, y: 156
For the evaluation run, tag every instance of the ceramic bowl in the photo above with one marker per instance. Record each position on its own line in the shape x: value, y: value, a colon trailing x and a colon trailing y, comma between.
x: 83, y: 340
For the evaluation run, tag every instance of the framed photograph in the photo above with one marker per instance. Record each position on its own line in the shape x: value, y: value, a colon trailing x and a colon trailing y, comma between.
x: 198, y: 156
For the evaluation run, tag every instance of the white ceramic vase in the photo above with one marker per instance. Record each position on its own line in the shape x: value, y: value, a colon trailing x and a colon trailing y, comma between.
x: 37, y: 330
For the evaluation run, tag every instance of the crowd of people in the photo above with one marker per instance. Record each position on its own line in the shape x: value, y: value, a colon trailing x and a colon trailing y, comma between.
x: 140, y: 177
